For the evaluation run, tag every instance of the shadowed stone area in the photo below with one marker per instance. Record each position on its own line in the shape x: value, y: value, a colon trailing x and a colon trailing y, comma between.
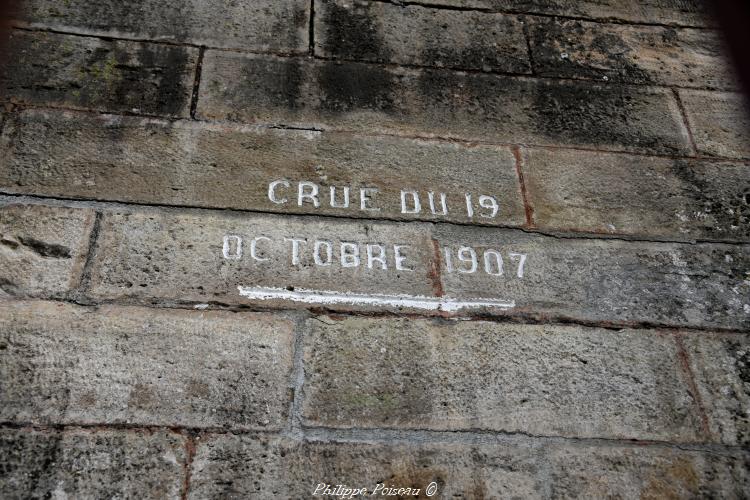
x: 257, y: 25
x: 91, y: 73
x: 471, y: 106
x: 382, y: 32
x: 677, y: 12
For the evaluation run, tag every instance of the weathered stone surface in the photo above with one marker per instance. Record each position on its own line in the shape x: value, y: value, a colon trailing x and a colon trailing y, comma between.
x: 366, y: 97
x: 721, y: 364
x: 410, y: 34
x: 646, y: 472
x: 232, y: 466
x: 677, y: 12
x: 629, y: 54
x: 260, y: 25
x: 541, y: 380
x: 42, y: 249
x: 91, y: 73
x: 91, y: 464
x: 180, y: 256
x: 69, y: 364
x: 720, y: 122
x: 80, y: 155
x: 638, y: 195
x: 703, y: 285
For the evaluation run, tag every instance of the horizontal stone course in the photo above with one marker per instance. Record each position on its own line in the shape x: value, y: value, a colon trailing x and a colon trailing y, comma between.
x: 677, y: 12
x: 205, y: 257
x: 410, y: 34
x: 444, y: 103
x: 630, y: 54
x: 242, y: 466
x: 719, y: 121
x: 42, y: 249
x: 116, y: 158
x: 721, y: 364
x: 600, y: 280
x: 93, y: 73
x: 265, y: 25
x: 648, y: 197
x: 64, y: 364
x: 91, y: 464
x: 539, y: 380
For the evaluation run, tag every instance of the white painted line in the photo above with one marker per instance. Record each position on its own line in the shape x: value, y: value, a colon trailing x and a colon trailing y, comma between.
x: 357, y: 299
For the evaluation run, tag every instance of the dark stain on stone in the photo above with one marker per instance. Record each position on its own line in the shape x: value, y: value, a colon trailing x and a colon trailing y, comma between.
x: 472, y: 57
x: 561, y: 48
x: 727, y: 208
x: 354, y: 87
x: 165, y: 66
x: 619, y: 66
x: 145, y: 16
x: 590, y: 114
x: 9, y: 287
x: 417, y: 476
x: 279, y: 81
x: 12, y: 244
x: 351, y: 33
x: 142, y: 396
x: 149, y: 79
x: 439, y: 88
x: 50, y: 446
x: 286, y: 27
x: 741, y: 356
x: 44, y: 249
x: 479, y: 54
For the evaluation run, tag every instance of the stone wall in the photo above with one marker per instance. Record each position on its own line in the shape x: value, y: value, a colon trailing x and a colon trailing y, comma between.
x: 481, y: 248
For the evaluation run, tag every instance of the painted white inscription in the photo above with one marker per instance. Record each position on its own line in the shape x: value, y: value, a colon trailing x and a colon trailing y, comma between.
x: 324, y: 252
x: 467, y: 261
x: 350, y: 254
x: 376, y: 256
x: 374, y: 299
x: 410, y: 202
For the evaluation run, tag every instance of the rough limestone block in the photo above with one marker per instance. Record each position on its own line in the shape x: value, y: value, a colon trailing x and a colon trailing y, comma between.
x: 205, y: 257
x: 108, y: 75
x: 168, y: 367
x: 699, y: 285
x: 630, y: 53
x: 410, y: 34
x: 91, y: 464
x: 720, y: 122
x: 432, y: 102
x: 243, y: 466
x: 42, y: 249
x: 231, y: 466
x: 540, y: 380
x: 646, y: 472
x: 259, y: 25
x: 721, y: 364
x: 677, y: 12
x: 105, y: 157
x: 644, y: 196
